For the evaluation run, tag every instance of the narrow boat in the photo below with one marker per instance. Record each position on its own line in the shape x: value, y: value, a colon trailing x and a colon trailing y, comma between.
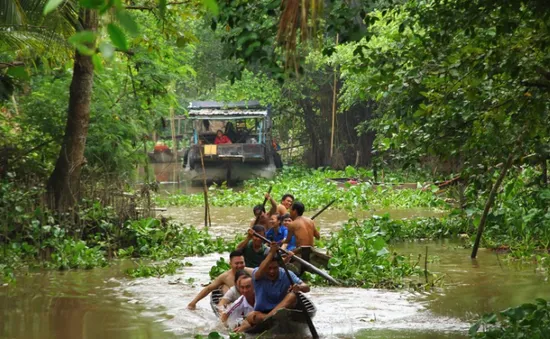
x: 285, y: 321
x: 316, y: 258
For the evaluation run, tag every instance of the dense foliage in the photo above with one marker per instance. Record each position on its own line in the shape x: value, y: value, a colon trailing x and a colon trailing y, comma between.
x: 360, y: 257
x: 314, y: 188
x: 524, y: 321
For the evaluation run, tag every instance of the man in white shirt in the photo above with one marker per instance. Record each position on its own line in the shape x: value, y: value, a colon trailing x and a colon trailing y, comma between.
x: 239, y: 309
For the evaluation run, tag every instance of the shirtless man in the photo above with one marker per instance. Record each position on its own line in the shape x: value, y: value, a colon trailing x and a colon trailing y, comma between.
x: 225, y: 280
x: 260, y: 214
x: 286, y: 203
x: 303, y: 229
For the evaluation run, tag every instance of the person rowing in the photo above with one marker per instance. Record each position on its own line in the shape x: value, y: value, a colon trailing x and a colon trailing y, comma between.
x: 239, y: 310
x: 303, y: 228
x: 260, y: 215
x: 272, y: 289
x: 224, y: 281
x: 253, y: 248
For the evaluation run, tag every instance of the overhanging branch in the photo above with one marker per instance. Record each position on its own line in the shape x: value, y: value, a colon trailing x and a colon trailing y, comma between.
x: 150, y: 8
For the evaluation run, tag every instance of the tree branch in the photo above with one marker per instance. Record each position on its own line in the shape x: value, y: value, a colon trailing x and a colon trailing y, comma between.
x: 150, y: 8
x: 11, y: 64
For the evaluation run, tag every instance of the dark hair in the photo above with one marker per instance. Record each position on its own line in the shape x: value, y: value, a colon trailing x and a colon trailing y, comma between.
x: 219, y: 131
x: 283, y: 217
x: 241, y: 273
x: 235, y: 253
x: 258, y: 229
x: 287, y: 196
x: 258, y: 208
x: 298, y: 207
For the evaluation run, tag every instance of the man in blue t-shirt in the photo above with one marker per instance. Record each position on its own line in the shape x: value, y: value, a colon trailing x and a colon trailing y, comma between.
x: 272, y: 288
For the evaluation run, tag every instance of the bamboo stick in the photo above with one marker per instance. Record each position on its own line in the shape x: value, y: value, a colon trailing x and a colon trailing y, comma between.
x: 333, y: 107
x: 207, y: 220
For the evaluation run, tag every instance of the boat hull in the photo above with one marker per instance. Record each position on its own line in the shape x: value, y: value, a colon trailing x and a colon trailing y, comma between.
x: 316, y: 258
x: 285, y: 321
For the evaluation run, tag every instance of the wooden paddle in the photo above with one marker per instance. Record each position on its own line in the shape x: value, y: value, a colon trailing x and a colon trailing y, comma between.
x: 299, y: 302
x: 312, y: 268
x: 265, y: 200
x: 324, y: 208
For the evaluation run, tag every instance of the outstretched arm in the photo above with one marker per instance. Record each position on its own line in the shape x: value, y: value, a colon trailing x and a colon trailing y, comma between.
x: 205, y: 291
x: 273, y: 209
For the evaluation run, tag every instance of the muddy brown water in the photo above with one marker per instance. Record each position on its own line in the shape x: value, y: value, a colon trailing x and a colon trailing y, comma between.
x: 104, y: 303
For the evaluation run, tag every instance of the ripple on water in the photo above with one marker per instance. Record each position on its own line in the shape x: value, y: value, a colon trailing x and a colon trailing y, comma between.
x: 341, y: 311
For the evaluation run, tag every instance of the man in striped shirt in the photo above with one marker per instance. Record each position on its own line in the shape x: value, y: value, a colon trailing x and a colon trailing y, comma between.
x: 238, y: 310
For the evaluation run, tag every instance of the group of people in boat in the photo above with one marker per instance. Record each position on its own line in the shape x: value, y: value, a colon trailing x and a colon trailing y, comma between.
x: 256, y: 286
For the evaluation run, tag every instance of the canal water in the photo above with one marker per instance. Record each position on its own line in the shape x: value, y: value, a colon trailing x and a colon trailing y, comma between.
x: 104, y: 303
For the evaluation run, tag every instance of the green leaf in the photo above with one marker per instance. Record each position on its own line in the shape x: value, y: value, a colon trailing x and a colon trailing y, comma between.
x: 212, y: 6
x: 127, y: 22
x: 117, y: 37
x: 474, y: 328
x: 18, y: 72
x: 162, y: 8
x: 98, y: 65
x: 51, y: 5
x: 82, y: 37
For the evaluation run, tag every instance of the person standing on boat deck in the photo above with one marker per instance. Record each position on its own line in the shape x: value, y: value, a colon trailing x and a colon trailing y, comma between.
x: 225, y: 280
x: 253, y: 248
x: 272, y: 289
x: 286, y: 203
x: 261, y: 216
x: 238, y: 310
x: 303, y: 229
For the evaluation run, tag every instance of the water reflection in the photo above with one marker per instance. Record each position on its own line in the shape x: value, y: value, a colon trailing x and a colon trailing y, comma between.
x: 72, y: 305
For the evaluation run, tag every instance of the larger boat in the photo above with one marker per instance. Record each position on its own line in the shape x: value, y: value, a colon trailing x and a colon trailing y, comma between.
x: 251, y: 152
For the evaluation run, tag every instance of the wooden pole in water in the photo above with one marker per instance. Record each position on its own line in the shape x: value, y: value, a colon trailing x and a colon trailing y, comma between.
x: 207, y: 220
x: 333, y: 107
x: 173, y: 131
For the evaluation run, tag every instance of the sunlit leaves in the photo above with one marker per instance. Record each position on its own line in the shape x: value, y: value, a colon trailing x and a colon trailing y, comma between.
x: 84, y: 42
x: 127, y: 22
x: 117, y: 36
x: 212, y: 6
x: 51, y: 5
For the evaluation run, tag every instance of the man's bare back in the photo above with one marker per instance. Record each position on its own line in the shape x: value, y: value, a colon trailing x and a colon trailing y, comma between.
x: 304, y: 230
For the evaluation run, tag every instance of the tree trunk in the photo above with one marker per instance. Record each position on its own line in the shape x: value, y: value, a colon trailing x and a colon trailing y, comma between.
x: 490, y: 202
x: 64, y: 182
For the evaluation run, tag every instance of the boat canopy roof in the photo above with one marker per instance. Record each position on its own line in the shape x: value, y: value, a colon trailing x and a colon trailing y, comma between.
x: 213, y: 110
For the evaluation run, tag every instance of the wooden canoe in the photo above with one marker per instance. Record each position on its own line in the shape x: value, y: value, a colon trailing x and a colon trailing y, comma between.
x: 316, y: 258
x: 285, y: 321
